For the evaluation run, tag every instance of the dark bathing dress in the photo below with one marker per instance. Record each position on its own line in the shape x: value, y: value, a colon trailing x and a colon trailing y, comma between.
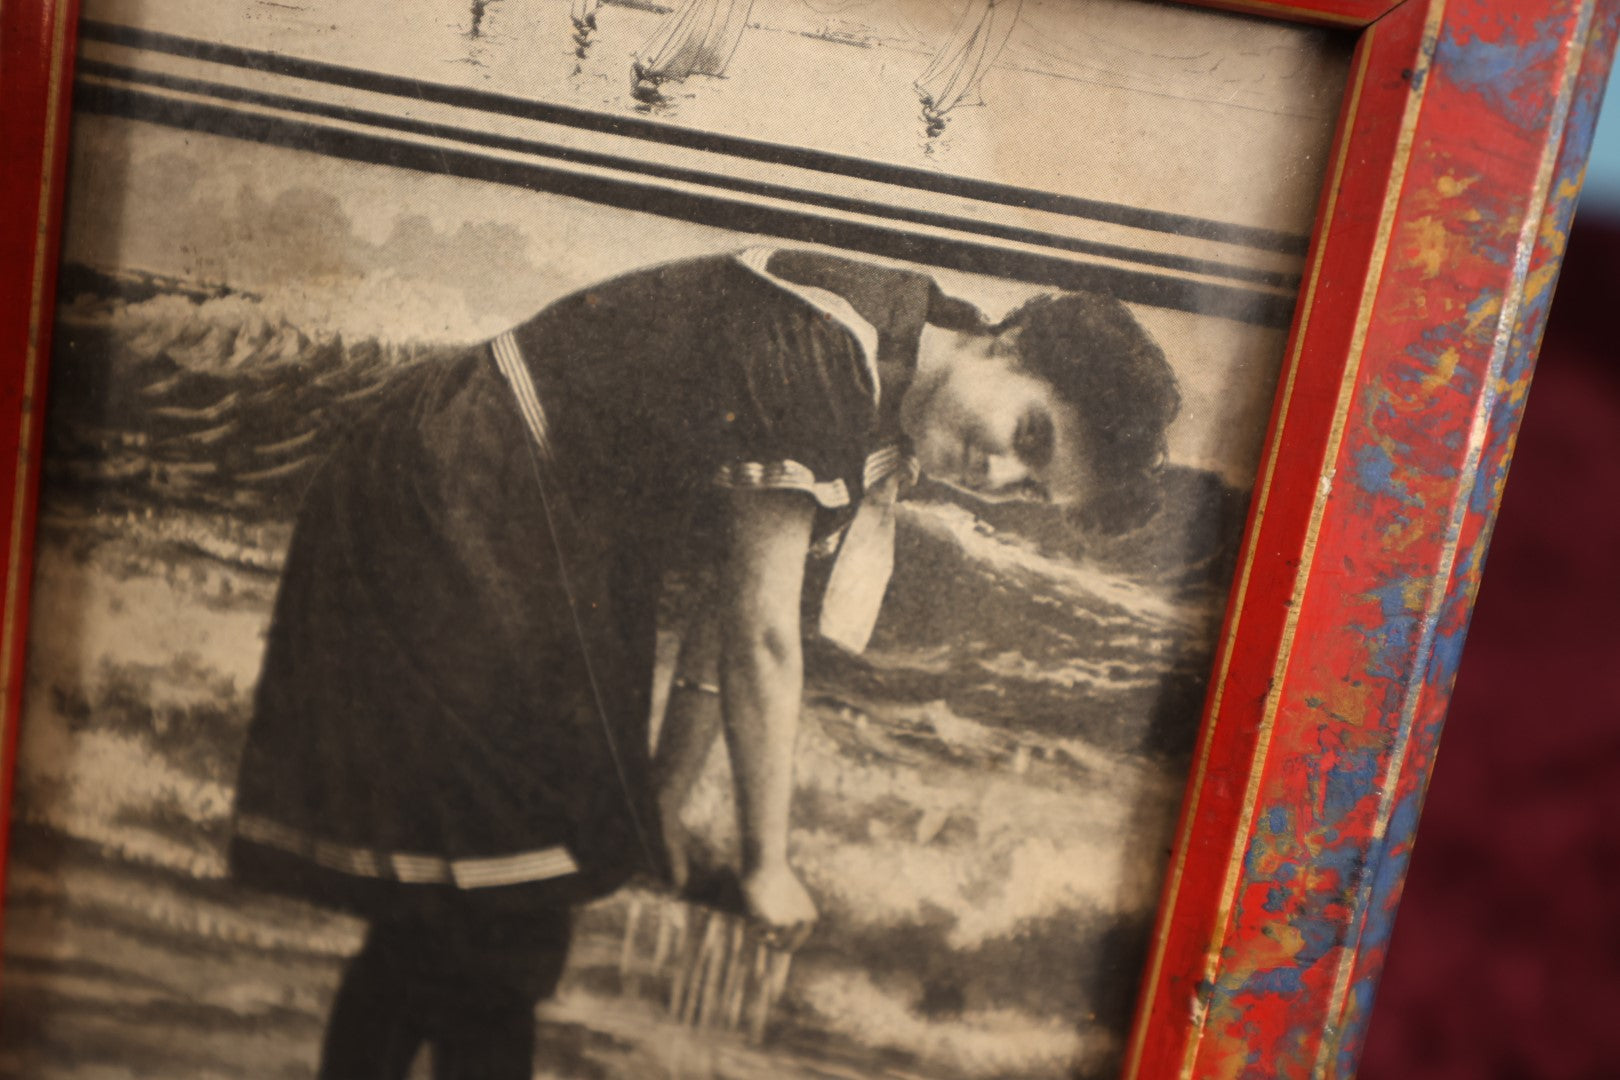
x: 453, y: 706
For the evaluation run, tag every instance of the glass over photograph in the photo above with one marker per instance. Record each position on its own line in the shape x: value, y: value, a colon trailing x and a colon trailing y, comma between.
x: 613, y: 538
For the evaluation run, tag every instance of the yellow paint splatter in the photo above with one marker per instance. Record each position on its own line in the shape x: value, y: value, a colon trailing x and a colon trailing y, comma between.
x: 1445, y: 367
x: 1429, y: 243
x: 1452, y: 186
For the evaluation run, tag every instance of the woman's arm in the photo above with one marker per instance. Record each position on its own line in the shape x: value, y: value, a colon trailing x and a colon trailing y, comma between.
x: 691, y: 725
x: 761, y: 673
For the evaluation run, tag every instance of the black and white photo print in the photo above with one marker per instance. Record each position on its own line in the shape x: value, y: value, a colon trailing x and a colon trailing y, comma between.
x: 625, y: 538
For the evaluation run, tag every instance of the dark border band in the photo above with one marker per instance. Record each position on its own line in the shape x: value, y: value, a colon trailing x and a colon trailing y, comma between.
x: 419, y: 90
x: 1158, y: 290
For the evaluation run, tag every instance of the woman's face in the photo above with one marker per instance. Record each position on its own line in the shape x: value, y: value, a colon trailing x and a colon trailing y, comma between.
x: 982, y: 424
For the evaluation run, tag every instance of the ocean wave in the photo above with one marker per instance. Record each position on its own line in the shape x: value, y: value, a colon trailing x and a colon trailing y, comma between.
x: 101, y: 892
x: 989, y: 881
x: 114, y: 792
x: 1102, y: 676
x: 988, y: 1043
x: 937, y: 803
x: 195, y: 629
x: 208, y: 328
x: 978, y: 839
x: 1110, y: 599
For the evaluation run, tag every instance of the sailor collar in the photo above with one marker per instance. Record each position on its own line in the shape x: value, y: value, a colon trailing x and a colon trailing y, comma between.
x: 828, y: 303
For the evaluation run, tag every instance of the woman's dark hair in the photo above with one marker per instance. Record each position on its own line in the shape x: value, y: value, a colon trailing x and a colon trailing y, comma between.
x: 1097, y: 357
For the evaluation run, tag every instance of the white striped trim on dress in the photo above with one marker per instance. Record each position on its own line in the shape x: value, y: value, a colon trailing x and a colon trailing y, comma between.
x: 790, y: 475
x: 782, y: 476
x: 510, y: 360
x: 486, y: 872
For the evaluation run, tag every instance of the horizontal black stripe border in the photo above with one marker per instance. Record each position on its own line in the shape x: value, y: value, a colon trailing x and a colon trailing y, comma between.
x: 688, y: 138
x: 471, y: 136
x: 1229, y: 302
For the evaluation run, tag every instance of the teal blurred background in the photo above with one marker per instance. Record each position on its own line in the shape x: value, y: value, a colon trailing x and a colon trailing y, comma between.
x: 1602, y: 194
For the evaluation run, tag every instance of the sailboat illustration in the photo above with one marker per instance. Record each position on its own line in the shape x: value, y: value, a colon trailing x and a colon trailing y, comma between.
x: 953, y: 76
x: 583, y: 14
x: 697, y: 38
x: 584, y: 17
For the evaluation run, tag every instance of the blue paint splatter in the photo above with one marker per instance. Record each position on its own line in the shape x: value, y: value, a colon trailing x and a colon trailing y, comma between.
x: 1285, y: 980
x: 1506, y: 73
x: 1392, y: 642
x: 1361, y: 999
x: 1375, y: 473
x: 1447, y: 656
x: 1352, y: 778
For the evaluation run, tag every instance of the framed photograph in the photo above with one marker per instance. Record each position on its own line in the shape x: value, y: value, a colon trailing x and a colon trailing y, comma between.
x: 740, y: 538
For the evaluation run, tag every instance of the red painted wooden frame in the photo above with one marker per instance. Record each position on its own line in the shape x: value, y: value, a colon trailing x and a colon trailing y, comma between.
x: 1460, y: 149
x: 36, y: 71
x: 1462, y: 138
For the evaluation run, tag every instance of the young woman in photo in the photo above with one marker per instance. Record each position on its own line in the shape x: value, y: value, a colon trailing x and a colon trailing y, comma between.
x: 451, y: 732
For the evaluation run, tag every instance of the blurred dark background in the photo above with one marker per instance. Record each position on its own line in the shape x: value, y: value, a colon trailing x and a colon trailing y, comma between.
x: 1506, y: 956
